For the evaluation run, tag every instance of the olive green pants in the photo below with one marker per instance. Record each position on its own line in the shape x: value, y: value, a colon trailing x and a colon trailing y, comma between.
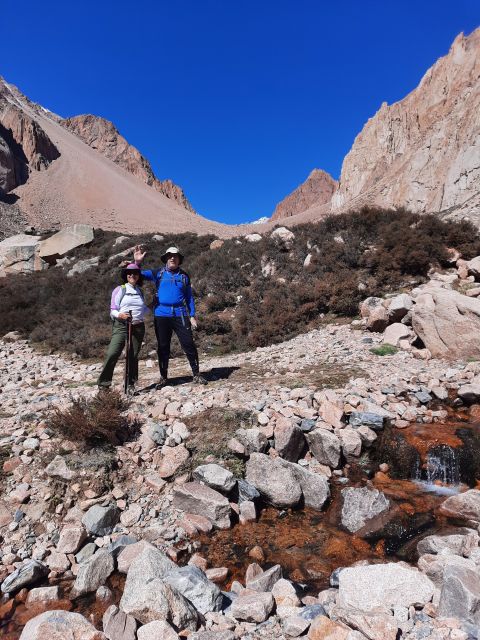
x: 115, y: 348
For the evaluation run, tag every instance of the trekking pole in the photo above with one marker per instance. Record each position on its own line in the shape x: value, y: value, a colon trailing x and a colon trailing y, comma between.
x: 128, y: 349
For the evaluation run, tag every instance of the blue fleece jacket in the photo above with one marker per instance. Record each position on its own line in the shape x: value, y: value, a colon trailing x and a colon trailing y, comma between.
x: 174, y: 292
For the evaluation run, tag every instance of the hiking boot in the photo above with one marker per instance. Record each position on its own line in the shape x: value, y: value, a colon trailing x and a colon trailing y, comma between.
x: 161, y: 383
x: 199, y: 379
x: 130, y: 390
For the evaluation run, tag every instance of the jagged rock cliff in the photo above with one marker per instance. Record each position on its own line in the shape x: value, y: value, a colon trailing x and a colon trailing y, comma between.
x: 103, y: 136
x: 317, y: 189
x: 24, y: 145
x: 422, y: 152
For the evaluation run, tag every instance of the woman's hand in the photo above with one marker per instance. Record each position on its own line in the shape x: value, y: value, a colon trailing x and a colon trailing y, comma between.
x: 194, y: 323
x: 123, y: 316
x: 139, y: 253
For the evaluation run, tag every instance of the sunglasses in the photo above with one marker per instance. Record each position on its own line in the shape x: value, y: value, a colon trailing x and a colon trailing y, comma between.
x: 132, y: 273
x: 172, y: 255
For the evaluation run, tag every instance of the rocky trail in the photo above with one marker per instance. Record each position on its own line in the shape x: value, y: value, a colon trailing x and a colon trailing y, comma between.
x: 305, y: 438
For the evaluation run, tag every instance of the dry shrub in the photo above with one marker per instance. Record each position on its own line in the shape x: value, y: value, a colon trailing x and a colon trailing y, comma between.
x: 239, y: 308
x: 94, y: 421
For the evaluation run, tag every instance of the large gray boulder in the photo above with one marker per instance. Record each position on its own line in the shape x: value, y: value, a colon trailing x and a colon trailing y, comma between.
x: 325, y: 447
x: 461, y: 544
x: 314, y: 486
x: 93, y: 573
x: 117, y: 625
x: 252, y: 607
x: 25, y: 575
x: 20, y: 254
x: 216, y: 477
x: 399, y: 307
x: 147, y: 597
x: 60, y: 624
x: 464, y: 506
x: 361, y: 505
x: 383, y: 585
x: 65, y: 240
x: 265, y: 581
x: 192, y: 583
x: 201, y: 500
x: 100, y: 521
x: 437, y: 312
x: 275, y: 482
x: 460, y: 595
x: 289, y: 440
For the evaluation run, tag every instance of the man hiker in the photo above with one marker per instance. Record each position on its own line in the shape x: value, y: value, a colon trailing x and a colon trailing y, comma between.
x: 174, y: 310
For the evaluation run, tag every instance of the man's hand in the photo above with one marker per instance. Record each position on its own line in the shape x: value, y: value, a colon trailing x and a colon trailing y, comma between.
x: 194, y: 323
x: 139, y: 253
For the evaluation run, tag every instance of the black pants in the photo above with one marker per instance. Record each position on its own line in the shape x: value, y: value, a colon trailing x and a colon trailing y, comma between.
x: 164, y: 328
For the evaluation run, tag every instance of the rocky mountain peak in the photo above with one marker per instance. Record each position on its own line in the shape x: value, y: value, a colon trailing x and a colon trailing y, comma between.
x: 104, y: 137
x: 317, y: 189
x: 423, y: 151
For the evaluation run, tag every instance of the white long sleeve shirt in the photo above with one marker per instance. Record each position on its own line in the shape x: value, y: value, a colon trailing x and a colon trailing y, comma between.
x: 127, y: 298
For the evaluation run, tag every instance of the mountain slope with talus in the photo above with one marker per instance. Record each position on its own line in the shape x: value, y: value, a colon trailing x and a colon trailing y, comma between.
x: 55, y: 178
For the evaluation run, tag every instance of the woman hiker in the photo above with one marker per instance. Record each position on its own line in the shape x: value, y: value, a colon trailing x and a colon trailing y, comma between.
x: 127, y: 302
x: 174, y: 310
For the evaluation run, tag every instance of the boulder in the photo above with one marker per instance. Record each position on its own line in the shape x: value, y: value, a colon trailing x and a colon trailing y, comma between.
x: 277, y: 484
x: 314, y: 486
x: 464, y: 506
x: 325, y: 447
x: 265, y: 580
x: 192, y: 583
x: 82, y: 266
x: 157, y: 630
x: 25, y: 575
x: 216, y: 477
x: 322, y: 628
x: 436, y: 312
x: 117, y: 625
x: 246, y: 491
x: 252, y: 606
x: 375, y: 421
x: 461, y: 544
x: 289, y: 440
x: 65, y: 240
x: 399, y: 307
x: 201, y: 500
x: 376, y: 314
x: 132, y: 551
x: 58, y: 468
x: 283, y: 236
x: 361, y: 505
x: 378, y: 626
x: 460, y: 595
x: 383, y: 585
x: 473, y: 267
x: 285, y: 594
x: 147, y: 597
x: 173, y: 458
x: 72, y: 537
x: 99, y: 520
x: 469, y: 393
x: 93, y: 573
x: 253, y: 237
x: 254, y: 440
x: 351, y: 441
x: 55, y: 625
x: 20, y: 254
x: 43, y: 594
x: 396, y: 332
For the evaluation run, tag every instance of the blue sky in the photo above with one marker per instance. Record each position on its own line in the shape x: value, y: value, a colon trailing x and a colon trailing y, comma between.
x: 236, y: 101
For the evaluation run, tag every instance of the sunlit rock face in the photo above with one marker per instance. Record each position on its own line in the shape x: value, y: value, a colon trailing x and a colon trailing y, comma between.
x: 423, y: 151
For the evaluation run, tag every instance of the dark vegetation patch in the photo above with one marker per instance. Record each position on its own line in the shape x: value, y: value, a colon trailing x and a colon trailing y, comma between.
x: 93, y: 422
x: 355, y: 255
x: 210, y: 432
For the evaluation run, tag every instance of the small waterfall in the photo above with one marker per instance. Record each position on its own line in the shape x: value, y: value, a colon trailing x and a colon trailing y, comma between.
x: 441, y: 472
